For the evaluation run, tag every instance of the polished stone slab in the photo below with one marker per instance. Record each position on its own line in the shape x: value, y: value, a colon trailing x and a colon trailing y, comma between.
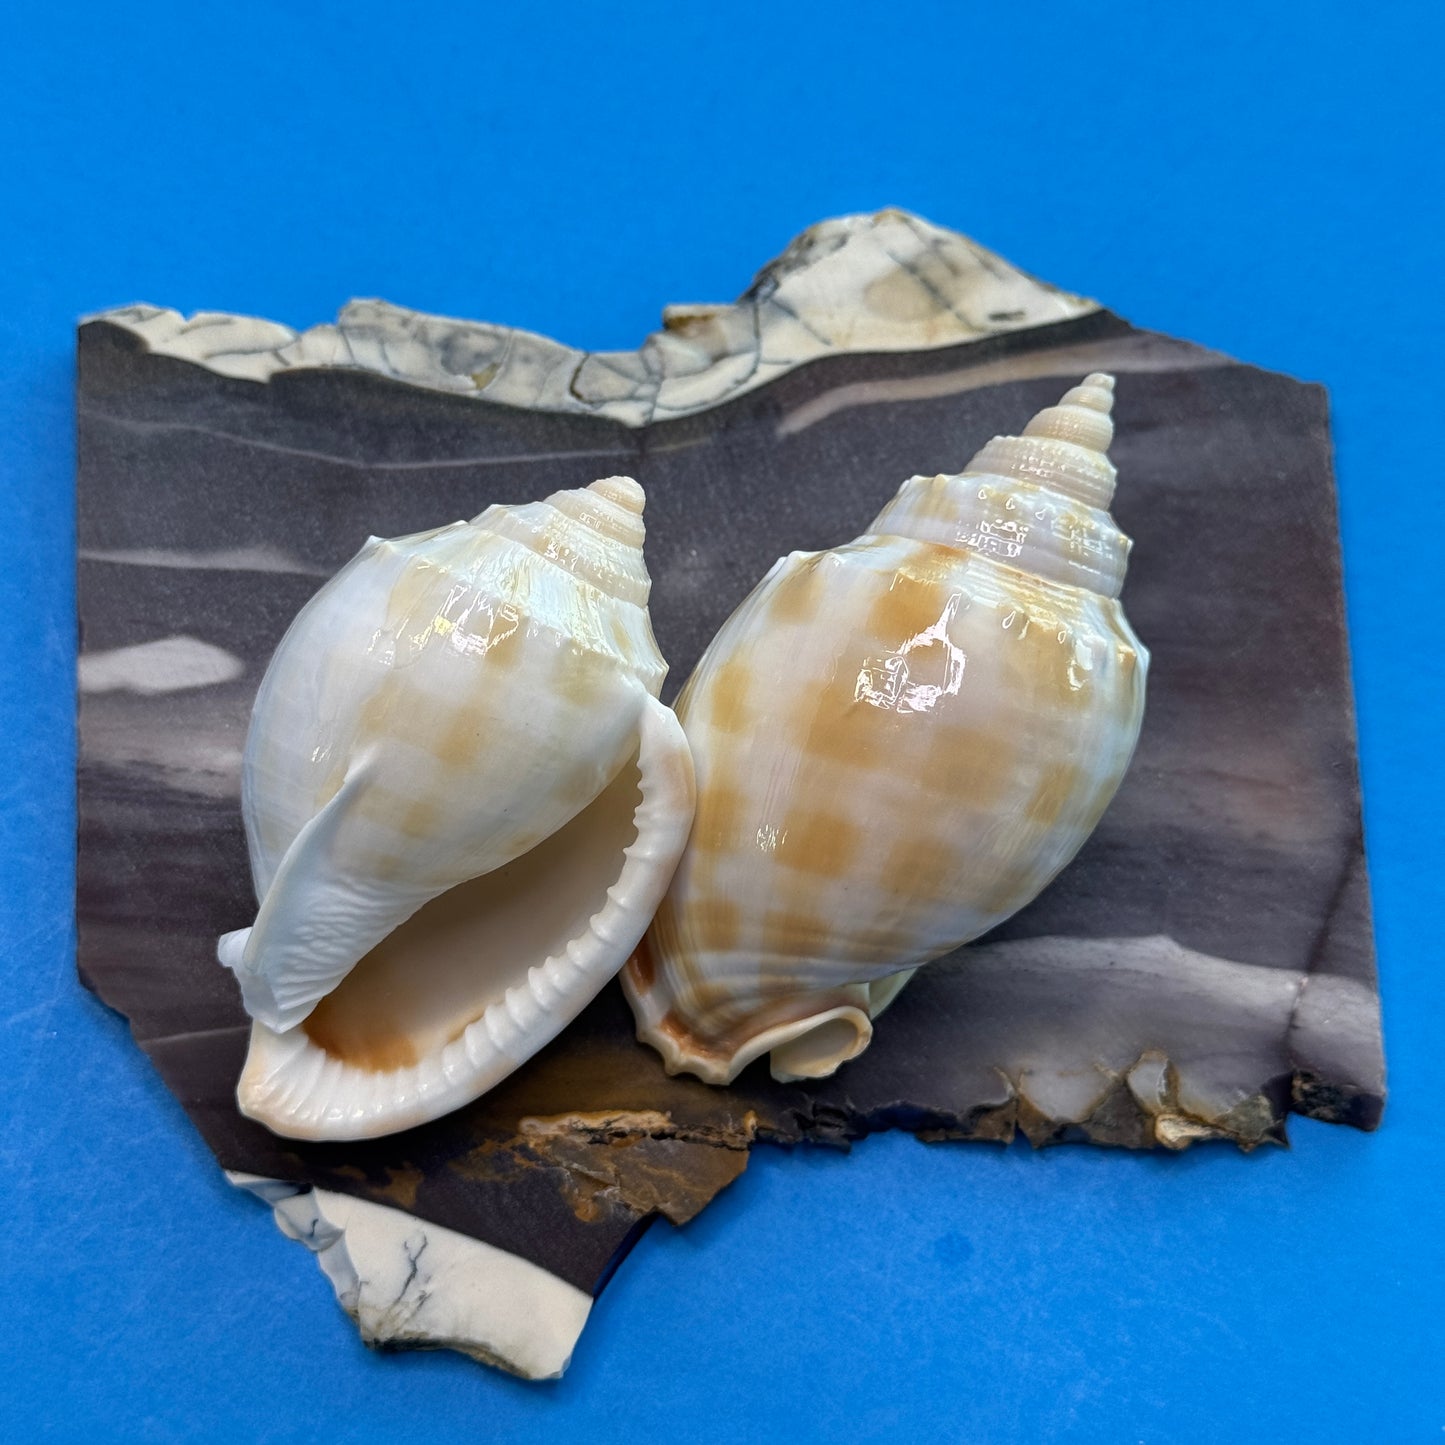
x: 1203, y: 968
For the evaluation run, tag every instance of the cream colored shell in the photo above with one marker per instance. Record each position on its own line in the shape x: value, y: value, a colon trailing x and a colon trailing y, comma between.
x: 897, y: 743
x: 463, y: 802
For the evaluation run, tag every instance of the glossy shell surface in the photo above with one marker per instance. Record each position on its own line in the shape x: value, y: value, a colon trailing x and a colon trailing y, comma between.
x: 463, y: 802
x: 898, y: 743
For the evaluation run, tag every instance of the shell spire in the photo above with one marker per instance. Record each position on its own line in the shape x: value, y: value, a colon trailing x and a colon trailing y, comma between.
x: 1065, y: 447
x: 625, y: 492
x: 1082, y: 415
x: 595, y: 532
x: 1037, y: 502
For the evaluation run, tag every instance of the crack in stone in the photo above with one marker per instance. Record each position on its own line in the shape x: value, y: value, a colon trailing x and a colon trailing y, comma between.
x: 526, y: 370
x: 793, y: 314
x: 413, y: 1261
x: 1317, y: 947
x: 133, y: 424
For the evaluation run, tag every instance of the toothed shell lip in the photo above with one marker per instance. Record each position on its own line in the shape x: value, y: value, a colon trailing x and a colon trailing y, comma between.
x: 298, y: 1090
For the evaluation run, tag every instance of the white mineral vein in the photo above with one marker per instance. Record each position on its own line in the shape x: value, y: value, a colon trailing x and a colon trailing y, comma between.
x: 884, y: 282
x: 259, y: 558
x: 169, y: 664
x: 407, y: 1282
x: 1141, y: 351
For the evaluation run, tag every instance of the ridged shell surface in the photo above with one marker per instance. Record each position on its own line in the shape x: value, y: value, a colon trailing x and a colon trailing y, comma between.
x: 898, y: 743
x: 469, y: 704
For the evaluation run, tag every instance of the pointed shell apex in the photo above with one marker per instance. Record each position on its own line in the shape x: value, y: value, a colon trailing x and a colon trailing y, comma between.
x: 627, y: 493
x: 1082, y: 415
x: 1064, y: 446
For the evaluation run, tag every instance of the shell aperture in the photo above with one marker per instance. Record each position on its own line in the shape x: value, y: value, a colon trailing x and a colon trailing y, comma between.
x: 463, y: 802
x: 897, y: 743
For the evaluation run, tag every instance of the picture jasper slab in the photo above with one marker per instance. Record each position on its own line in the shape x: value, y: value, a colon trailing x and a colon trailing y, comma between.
x: 1201, y: 970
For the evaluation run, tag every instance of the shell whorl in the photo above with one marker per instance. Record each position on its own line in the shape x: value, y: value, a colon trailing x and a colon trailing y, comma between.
x: 1037, y: 502
x: 595, y: 532
x: 1064, y: 447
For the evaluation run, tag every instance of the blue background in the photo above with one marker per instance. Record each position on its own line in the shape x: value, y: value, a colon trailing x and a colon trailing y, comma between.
x: 1254, y: 177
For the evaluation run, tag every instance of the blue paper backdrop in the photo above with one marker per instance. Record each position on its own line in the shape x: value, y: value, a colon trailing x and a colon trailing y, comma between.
x: 1257, y: 177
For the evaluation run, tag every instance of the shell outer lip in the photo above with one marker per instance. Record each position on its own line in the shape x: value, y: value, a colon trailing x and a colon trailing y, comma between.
x: 297, y: 1090
x: 687, y: 1052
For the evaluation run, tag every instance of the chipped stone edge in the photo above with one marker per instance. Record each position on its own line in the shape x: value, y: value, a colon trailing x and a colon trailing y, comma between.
x: 410, y: 1284
x: 886, y: 282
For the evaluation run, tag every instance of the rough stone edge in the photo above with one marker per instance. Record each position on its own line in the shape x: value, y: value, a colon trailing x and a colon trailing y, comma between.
x: 918, y: 287
x: 885, y: 282
x: 410, y: 1284
x: 1162, y: 1098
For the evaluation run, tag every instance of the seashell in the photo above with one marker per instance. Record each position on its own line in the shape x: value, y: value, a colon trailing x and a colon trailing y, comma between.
x: 463, y: 802
x: 898, y: 743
